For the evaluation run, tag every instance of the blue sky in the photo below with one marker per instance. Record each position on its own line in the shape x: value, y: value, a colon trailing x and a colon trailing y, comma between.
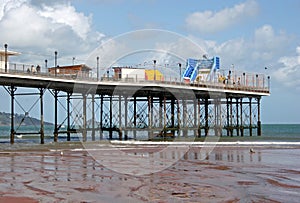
x: 251, y: 34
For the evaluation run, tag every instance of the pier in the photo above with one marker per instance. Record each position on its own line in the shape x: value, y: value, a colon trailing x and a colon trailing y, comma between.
x: 126, y: 107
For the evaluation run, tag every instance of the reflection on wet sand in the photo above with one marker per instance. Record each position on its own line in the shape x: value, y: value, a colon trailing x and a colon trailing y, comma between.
x: 229, y: 174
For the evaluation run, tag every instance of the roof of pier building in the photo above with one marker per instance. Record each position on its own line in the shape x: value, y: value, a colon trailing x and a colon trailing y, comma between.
x: 71, y: 69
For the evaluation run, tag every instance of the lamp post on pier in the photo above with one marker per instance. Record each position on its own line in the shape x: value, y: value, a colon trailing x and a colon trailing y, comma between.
x: 154, y: 61
x: 179, y: 64
x: 55, y: 62
x: 46, y: 61
x: 5, y: 47
x: 97, y: 68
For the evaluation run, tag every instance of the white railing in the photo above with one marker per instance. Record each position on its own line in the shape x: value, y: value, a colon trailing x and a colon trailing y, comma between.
x: 235, y: 81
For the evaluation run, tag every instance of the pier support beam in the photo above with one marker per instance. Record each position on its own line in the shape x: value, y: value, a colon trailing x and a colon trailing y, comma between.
x: 231, y: 117
x: 150, y: 117
x: 55, y: 116
x: 68, y: 117
x: 160, y: 112
x: 126, y: 117
x: 250, y: 116
x: 134, y: 117
x: 237, y: 117
x: 199, y: 118
x: 84, y: 131
x: 227, y: 116
x: 178, y: 117
x: 164, y: 116
x: 101, y: 117
x: 12, y: 91
x: 120, y: 118
x: 195, y: 118
x: 173, y: 116
x: 241, y: 115
x: 110, y: 117
x: 206, y: 128
x: 184, y: 118
x: 42, y: 135
x: 93, y: 117
x: 258, y: 118
x: 218, y: 117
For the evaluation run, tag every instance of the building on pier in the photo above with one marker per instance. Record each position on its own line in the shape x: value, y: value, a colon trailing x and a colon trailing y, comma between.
x: 4, y: 58
x: 81, y: 70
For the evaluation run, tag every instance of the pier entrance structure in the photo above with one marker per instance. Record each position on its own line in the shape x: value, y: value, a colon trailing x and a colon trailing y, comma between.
x: 207, y: 102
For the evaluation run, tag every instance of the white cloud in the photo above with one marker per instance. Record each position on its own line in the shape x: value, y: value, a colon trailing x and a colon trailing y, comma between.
x: 42, y: 28
x: 67, y: 15
x: 289, y: 71
x: 210, y: 22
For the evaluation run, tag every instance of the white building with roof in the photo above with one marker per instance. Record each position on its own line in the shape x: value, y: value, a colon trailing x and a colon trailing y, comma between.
x: 6, y: 54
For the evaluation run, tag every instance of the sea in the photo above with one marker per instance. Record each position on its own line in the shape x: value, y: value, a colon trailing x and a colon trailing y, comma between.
x: 270, y: 132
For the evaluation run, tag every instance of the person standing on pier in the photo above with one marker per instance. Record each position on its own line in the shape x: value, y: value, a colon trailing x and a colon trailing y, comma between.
x: 33, y: 70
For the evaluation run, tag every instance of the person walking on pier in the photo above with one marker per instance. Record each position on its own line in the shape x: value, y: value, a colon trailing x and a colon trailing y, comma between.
x: 33, y: 69
x: 38, y: 68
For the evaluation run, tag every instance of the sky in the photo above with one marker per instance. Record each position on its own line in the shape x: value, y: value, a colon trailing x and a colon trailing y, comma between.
x: 250, y: 34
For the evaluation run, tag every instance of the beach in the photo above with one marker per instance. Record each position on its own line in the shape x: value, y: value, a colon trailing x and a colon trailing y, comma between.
x: 65, y: 172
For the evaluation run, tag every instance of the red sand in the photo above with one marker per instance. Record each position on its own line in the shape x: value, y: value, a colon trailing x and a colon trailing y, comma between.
x: 227, y: 174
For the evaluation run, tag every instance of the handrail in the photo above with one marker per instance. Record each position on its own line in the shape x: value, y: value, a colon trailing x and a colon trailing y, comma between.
x: 247, y: 82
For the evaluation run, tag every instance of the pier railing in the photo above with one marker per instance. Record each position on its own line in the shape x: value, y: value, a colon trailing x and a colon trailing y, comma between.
x: 239, y: 81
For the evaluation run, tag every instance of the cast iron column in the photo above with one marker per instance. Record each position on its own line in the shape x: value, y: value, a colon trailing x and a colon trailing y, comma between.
x: 68, y: 117
x: 42, y: 115
x: 55, y: 116
x: 258, y: 118
x: 12, y: 114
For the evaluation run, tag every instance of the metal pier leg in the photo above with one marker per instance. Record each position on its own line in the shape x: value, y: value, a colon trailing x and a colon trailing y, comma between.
x: 101, y: 117
x: 150, y: 132
x: 12, y: 90
x: 160, y: 112
x: 195, y: 118
x: 84, y: 131
x: 231, y: 116
x: 172, y: 115
x: 165, y: 116
x: 218, y: 121
x: 206, y: 116
x: 227, y: 116
x: 110, y: 117
x: 126, y: 118
x: 178, y: 117
x: 55, y: 115
x: 68, y: 118
x: 199, y: 119
x: 250, y: 114
x: 237, y: 117
x: 93, y: 117
x: 258, y: 118
x: 120, y: 117
x: 134, y: 117
x: 42, y: 115
x: 184, y: 118
x: 241, y: 114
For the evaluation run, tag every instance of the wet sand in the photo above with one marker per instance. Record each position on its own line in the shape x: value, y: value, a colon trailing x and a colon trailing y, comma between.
x: 65, y: 173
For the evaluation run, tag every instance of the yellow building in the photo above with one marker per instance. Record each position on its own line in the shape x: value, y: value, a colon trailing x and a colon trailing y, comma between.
x: 154, y: 75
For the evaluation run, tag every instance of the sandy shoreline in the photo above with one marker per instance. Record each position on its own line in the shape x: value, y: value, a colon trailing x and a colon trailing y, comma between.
x: 64, y: 173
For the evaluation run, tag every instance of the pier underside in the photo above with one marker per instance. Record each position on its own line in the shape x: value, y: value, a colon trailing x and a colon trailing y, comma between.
x: 149, y: 113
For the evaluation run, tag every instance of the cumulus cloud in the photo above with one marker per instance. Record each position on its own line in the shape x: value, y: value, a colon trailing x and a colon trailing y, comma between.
x: 42, y: 27
x: 289, y: 71
x: 68, y: 16
x: 211, y: 22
